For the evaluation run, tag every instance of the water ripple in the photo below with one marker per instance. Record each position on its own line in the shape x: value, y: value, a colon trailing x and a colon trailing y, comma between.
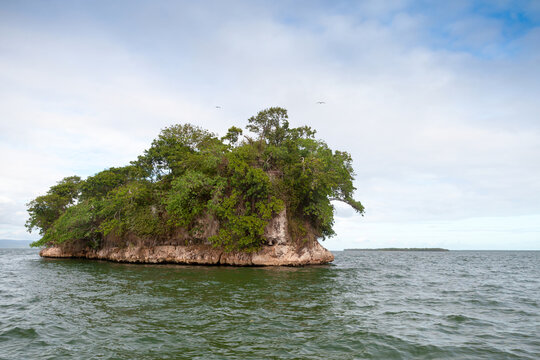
x: 367, y: 305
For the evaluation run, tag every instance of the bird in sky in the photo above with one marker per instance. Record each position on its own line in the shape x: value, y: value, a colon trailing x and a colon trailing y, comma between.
x: 320, y: 102
x: 218, y: 107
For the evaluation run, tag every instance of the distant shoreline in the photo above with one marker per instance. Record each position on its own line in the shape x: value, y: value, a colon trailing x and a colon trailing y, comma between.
x: 399, y: 249
x: 14, y: 244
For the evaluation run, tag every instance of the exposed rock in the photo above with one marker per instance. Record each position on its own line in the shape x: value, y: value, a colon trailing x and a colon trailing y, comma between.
x: 286, y: 254
x: 279, y: 250
x: 276, y: 230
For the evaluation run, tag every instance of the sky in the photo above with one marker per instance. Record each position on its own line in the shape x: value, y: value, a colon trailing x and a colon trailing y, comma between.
x: 437, y: 102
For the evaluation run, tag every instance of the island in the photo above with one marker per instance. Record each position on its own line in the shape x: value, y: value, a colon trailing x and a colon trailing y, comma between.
x: 254, y: 199
x: 399, y: 249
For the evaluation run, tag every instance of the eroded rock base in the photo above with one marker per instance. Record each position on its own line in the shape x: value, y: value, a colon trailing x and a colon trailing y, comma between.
x: 276, y: 255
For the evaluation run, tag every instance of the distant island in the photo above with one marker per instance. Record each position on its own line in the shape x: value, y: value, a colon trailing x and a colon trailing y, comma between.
x: 399, y: 249
x: 14, y: 244
x: 263, y: 198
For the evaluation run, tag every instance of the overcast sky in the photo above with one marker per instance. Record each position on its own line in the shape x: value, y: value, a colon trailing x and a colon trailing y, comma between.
x: 438, y: 102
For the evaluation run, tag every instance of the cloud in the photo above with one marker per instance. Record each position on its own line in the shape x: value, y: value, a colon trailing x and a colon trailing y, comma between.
x: 438, y: 107
x: 483, y: 233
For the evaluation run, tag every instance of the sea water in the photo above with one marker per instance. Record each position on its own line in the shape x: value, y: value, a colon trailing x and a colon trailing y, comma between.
x: 366, y: 305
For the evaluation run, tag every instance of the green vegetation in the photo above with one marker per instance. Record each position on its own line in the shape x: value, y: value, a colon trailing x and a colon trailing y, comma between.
x: 190, y: 178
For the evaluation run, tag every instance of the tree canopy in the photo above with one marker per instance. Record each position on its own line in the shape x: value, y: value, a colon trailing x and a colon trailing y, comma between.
x: 189, y: 177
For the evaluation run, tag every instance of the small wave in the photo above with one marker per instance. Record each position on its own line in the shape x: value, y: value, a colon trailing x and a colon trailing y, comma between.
x: 18, y: 333
x: 458, y: 318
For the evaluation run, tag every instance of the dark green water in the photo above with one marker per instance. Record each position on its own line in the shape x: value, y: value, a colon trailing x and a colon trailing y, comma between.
x: 382, y: 305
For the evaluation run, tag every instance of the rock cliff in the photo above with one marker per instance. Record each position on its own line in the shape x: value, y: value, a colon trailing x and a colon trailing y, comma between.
x: 279, y: 249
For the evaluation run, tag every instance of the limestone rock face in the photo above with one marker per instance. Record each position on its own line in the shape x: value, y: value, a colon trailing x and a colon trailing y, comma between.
x: 279, y: 250
x: 276, y: 230
x: 284, y: 254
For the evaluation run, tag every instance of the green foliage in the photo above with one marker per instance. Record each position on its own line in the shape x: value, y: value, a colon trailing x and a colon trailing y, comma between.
x: 46, y: 209
x: 131, y: 208
x: 76, y: 223
x: 100, y: 184
x: 233, y: 135
x: 189, y: 196
x: 245, y: 208
x: 189, y: 176
x: 270, y: 124
x: 67, y: 188
x: 167, y: 153
x: 242, y: 228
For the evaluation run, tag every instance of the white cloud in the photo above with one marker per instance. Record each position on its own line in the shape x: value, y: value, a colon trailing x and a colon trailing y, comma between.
x: 483, y: 233
x: 436, y: 133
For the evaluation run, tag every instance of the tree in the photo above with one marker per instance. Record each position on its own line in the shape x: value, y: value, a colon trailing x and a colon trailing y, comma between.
x: 233, y: 135
x: 45, y: 210
x: 103, y: 182
x: 172, y: 145
x: 270, y: 124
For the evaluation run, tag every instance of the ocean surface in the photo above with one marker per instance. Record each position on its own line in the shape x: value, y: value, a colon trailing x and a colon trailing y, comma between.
x: 367, y: 305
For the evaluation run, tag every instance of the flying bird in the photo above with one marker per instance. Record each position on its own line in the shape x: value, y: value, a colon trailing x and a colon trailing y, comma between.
x: 320, y: 102
x: 218, y: 107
